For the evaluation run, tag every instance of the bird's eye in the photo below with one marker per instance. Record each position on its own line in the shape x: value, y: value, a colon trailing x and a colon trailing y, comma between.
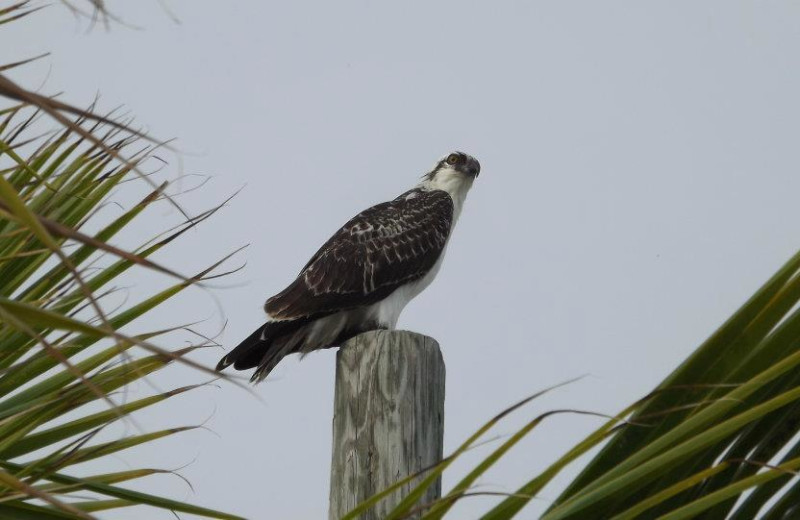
x: 452, y: 158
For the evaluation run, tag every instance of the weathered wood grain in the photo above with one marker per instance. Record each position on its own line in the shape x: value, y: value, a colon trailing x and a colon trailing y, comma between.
x: 388, y: 418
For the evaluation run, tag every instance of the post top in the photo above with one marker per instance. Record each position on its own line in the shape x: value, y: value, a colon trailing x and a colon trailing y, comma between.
x: 393, y: 334
x: 404, y: 342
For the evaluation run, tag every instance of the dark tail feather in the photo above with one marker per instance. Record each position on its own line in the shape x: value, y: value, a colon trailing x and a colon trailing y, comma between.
x: 255, y: 348
x: 244, y: 350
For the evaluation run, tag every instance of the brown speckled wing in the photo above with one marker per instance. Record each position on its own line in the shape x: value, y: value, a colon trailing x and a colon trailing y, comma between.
x: 376, y: 252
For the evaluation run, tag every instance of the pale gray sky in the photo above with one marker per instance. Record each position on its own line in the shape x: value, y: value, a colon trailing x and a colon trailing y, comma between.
x: 639, y: 181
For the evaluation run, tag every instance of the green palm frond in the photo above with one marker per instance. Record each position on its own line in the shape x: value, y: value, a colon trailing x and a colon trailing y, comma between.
x: 723, y: 424
x: 62, y: 354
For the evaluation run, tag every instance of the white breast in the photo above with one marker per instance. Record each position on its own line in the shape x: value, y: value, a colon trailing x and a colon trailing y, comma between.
x: 387, y: 311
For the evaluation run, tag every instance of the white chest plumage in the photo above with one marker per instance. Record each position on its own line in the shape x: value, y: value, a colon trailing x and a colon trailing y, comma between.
x: 387, y: 311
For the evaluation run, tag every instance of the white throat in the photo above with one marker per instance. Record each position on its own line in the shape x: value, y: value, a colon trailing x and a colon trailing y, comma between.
x: 455, y: 184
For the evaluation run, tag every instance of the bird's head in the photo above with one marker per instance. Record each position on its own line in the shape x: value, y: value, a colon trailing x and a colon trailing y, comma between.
x: 456, y: 163
x: 454, y: 173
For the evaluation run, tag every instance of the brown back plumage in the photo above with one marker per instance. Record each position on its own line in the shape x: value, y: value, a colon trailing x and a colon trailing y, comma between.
x: 377, y: 251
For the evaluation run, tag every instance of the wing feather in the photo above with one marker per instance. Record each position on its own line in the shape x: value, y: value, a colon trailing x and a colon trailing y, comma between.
x: 377, y: 251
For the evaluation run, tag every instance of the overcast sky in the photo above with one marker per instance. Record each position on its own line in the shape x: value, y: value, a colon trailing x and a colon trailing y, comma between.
x: 639, y: 181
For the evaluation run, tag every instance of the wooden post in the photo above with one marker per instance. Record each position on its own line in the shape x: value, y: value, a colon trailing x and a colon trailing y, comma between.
x: 388, y: 418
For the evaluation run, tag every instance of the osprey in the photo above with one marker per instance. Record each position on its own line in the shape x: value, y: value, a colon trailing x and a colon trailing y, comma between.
x: 365, y: 274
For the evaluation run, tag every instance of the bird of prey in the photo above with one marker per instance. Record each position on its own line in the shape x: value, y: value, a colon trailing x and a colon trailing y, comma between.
x: 365, y: 274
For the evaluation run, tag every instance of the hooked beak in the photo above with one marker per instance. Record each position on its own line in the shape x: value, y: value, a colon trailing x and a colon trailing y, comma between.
x: 473, y: 167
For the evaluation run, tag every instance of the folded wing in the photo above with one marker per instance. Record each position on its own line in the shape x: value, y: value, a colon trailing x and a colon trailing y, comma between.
x: 377, y: 251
